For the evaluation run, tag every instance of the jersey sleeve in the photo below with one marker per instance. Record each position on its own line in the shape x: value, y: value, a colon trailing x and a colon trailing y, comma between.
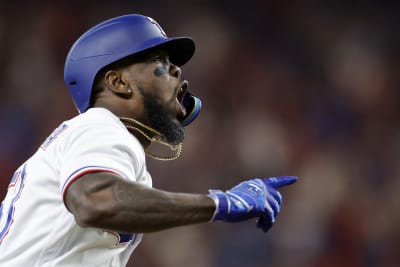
x: 99, y: 148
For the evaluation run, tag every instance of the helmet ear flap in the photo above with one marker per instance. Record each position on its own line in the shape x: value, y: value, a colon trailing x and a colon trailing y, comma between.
x: 193, y: 107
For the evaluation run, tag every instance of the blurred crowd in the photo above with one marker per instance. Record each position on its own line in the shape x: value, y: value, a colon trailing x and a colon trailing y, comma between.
x: 305, y: 88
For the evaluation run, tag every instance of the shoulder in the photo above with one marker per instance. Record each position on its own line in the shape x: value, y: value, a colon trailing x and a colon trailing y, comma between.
x: 99, y: 126
x: 98, y: 138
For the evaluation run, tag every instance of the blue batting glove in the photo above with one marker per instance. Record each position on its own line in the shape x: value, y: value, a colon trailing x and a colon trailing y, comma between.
x: 256, y: 198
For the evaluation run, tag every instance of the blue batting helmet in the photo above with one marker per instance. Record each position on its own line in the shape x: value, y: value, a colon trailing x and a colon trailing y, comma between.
x: 115, y: 39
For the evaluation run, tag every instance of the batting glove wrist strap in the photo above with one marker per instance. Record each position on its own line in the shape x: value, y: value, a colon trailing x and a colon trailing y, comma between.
x: 221, y: 203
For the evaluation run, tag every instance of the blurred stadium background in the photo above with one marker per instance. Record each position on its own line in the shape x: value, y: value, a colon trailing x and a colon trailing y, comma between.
x: 306, y: 88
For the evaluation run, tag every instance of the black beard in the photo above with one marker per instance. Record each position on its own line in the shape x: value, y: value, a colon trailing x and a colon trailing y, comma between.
x: 160, y: 119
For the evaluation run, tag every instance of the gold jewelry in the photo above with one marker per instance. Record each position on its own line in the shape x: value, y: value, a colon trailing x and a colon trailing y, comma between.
x: 158, y: 138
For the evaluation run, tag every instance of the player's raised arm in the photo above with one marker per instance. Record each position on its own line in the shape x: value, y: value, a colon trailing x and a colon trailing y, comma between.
x: 104, y: 200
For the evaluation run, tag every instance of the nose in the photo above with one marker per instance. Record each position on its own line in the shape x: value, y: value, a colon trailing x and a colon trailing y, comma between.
x: 175, y: 71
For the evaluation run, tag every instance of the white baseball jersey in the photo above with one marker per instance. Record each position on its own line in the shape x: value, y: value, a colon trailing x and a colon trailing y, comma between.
x: 36, y: 229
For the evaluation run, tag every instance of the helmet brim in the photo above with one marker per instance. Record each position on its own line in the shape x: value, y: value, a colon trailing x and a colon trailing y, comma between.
x: 180, y: 49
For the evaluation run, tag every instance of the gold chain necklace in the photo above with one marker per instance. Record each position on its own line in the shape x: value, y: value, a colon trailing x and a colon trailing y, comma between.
x: 159, y: 138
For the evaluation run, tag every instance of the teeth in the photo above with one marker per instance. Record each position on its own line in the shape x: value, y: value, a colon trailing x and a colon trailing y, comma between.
x: 180, y: 94
x: 182, y: 91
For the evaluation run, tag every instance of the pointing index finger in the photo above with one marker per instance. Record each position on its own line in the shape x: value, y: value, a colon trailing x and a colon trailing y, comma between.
x: 280, y: 181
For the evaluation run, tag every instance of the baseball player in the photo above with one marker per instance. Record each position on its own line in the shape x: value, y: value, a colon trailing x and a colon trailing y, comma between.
x: 85, y: 197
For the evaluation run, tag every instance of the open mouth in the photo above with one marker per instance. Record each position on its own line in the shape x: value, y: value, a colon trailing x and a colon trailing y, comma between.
x: 180, y: 96
x: 182, y: 88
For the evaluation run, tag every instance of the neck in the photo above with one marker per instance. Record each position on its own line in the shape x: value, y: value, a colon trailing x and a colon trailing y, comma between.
x: 143, y: 140
x: 146, y: 135
x: 135, y: 127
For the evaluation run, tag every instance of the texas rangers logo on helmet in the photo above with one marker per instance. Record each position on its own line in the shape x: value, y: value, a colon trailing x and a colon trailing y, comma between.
x: 157, y: 25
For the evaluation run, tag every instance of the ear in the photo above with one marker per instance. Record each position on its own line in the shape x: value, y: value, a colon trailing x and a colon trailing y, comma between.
x: 115, y: 82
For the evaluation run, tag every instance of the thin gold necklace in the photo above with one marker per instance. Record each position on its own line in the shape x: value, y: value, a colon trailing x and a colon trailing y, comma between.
x: 132, y: 124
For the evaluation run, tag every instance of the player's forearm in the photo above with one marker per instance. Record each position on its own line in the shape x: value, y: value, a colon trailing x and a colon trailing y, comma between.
x: 151, y: 210
x: 108, y: 202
